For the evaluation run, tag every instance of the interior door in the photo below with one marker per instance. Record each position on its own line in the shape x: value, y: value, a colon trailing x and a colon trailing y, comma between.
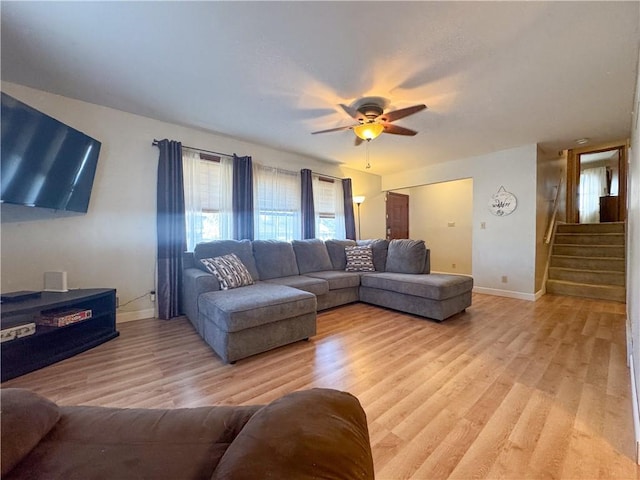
x: 397, y: 215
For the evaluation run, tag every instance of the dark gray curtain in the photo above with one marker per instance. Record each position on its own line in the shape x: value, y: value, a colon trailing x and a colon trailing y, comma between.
x: 242, y: 198
x: 349, y: 219
x: 308, y: 210
x: 171, y: 228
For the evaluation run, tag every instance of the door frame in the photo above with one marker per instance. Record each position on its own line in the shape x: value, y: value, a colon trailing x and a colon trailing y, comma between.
x: 573, y: 177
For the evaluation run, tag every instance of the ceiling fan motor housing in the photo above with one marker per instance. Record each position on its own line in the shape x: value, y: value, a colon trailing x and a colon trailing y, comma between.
x: 370, y: 110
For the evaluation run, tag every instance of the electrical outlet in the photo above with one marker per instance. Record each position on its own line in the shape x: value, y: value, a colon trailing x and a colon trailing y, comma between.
x: 451, y: 224
x: 152, y: 295
x: 505, y: 279
x: 453, y: 265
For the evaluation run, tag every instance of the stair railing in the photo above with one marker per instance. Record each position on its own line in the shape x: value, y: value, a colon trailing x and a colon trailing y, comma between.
x: 552, y: 222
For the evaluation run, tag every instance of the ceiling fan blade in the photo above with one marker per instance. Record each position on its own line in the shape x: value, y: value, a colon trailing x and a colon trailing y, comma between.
x: 403, y: 112
x: 397, y: 130
x: 337, y: 129
x: 358, y: 141
x: 353, y: 113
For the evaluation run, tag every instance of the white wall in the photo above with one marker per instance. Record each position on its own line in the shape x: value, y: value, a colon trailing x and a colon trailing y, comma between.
x: 114, y: 244
x: 450, y: 246
x: 507, y: 246
x: 633, y: 238
x: 373, y: 210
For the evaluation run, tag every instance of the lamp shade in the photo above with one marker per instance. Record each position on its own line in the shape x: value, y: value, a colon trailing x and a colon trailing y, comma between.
x: 368, y: 131
x: 359, y: 199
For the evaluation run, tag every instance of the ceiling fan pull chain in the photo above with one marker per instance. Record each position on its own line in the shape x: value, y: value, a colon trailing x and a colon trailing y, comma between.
x: 368, y: 165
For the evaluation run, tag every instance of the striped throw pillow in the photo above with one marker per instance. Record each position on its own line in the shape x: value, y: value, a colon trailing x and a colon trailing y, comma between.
x: 229, y: 270
x: 359, y: 259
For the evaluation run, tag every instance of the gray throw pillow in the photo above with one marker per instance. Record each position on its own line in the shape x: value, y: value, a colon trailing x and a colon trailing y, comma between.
x: 406, y: 256
x: 311, y: 255
x: 359, y: 259
x: 229, y: 270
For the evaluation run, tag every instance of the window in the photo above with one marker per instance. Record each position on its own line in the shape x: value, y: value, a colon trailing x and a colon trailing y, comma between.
x: 207, y: 191
x: 329, y: 207
x: 277, y: 204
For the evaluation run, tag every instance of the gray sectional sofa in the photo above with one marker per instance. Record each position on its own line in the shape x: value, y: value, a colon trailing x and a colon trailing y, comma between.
x: 294, y: 280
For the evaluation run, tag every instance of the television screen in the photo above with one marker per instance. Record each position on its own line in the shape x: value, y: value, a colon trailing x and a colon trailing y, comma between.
x: 44, y: 162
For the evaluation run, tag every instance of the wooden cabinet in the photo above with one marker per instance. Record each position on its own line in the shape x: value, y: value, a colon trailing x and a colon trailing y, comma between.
x: 609, y: 209
x: 52, y: 344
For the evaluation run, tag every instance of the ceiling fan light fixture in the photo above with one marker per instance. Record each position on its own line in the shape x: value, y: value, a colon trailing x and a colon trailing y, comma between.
x: 368, y: 131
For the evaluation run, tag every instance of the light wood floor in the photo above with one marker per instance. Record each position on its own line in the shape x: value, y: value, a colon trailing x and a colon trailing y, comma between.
x: 509, y: 389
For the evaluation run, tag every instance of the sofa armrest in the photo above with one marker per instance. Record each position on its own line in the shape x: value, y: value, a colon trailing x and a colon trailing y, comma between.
x: 310, y: 434
x: 194, y: 283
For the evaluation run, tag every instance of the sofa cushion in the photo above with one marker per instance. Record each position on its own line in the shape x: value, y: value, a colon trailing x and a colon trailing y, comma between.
x: 379, y: 247
x: 406, y: 256
x: 217, y: 248
x: 311, y: 255
x: 338, y: 279
x: 229, y: 270
x: 26, y: 419
x: 336, y: 252
x: 317, y: 286
x: 274, y: 259
x: 359, y: 259
x: 311, y: 434
x: 434, y: 286
x: 258, y: 304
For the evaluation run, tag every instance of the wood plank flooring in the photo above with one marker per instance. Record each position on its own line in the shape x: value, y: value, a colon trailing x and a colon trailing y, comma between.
x: 510, y: 389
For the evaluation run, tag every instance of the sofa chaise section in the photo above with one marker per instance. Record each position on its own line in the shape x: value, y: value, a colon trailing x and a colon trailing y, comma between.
x: 435, y: 296
x: 245, y: 321
x: 248, y: 320
x: 408, y: 285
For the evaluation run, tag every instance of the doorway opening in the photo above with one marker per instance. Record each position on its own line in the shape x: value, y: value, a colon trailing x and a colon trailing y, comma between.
x: 597, y: 184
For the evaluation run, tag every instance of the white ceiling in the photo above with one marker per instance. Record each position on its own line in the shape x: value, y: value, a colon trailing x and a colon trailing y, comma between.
x: 494, y: 75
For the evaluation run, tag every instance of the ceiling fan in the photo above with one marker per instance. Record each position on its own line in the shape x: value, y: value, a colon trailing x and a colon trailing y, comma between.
x: 372, y: 121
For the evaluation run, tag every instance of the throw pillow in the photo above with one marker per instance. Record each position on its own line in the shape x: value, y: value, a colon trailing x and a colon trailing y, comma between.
x: 359, y: 259
x: 229, y: 270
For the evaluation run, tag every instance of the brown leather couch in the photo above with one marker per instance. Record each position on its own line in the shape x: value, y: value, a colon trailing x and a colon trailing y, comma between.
x: 318, y: 433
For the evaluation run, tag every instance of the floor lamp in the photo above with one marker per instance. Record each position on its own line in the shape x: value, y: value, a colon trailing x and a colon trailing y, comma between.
x: 358, y: 201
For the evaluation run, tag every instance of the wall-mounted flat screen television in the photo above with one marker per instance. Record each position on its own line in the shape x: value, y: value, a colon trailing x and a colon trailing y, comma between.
x: 44, y: 162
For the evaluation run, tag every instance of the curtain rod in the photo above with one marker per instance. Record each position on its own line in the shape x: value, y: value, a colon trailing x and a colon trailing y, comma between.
x: 329, y: 176
x: 155, y: 144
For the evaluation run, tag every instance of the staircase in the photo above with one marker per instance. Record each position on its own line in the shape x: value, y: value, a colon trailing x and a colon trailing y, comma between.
x: 588, y: 260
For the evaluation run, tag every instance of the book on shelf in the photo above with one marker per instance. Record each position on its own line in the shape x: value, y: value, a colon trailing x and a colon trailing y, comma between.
x: 17, y: 331
x: 63, y: 318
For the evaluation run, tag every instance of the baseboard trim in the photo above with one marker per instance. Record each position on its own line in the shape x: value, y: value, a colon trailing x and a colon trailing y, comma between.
x: 505, y: 293
x: 123, y: 317
x: 634, y: 401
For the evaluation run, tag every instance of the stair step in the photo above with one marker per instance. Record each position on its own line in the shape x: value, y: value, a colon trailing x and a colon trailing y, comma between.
x: 615, y: 251
x: 588, y: 263
x: 592, y: 277
x: 590, y: 238
x: 613, y: 227
x: 602, y: 292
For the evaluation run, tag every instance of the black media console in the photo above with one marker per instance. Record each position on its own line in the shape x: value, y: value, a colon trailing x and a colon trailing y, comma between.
x: 52, y: 344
